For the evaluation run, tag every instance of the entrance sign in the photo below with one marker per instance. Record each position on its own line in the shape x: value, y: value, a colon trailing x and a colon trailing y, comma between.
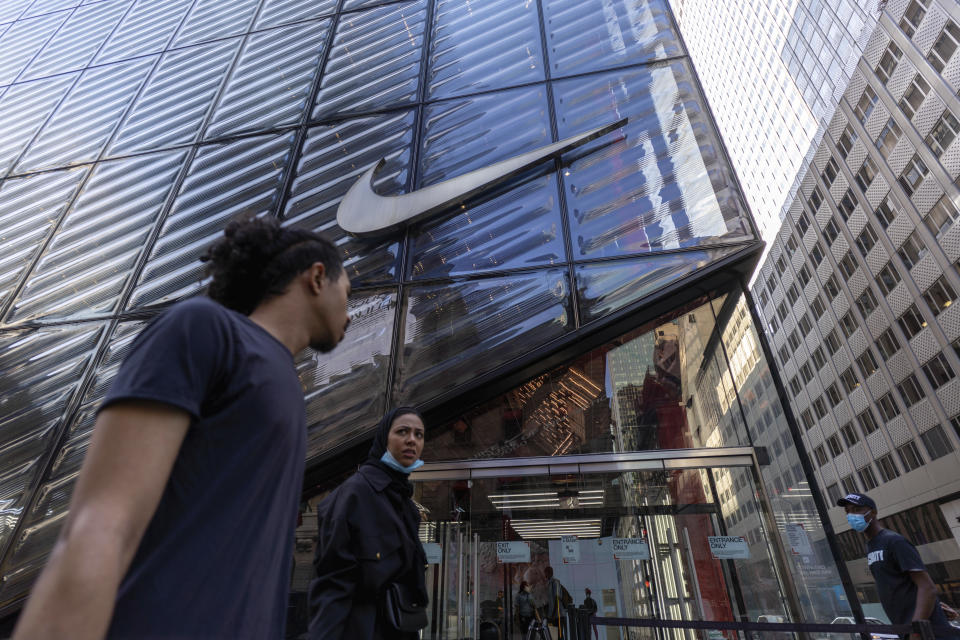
x: 728, y: 547
x: 434, y: 552
x: 630, y: 549
x: 508, y: 552
x: 364, y: 213
x: 799, y: 540
x: 569, y: 549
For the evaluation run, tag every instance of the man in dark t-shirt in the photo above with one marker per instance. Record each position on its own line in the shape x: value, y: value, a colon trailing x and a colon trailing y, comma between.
x: 182, y: 519
x: 906, y: 591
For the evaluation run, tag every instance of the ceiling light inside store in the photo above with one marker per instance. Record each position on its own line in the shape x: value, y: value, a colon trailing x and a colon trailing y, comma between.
x: 552, y: 529
x: 548, y: 499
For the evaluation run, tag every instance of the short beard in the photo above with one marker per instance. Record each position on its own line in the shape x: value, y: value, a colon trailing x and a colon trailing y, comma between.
x: 324, y: 346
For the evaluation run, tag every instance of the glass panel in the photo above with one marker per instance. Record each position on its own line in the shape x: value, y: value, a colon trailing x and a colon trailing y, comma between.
x: 224, y: 181
x: 454, y: 333
x: 482, y: 46
x: 659, y: 386
x: 39, y: 372
x: 271, y: 81
x: 216, y: 19
x: 147, y: 28
x: 175, y: 101
x: 26, y: 107
x: 42, y: 524
x: 346, y: 389
x: 375, y: 60
x: 11, y: 9
x: 46, y: 6
x: 663, y: 185
x: 83, y: 122
x: 587, y: 35
x: 519, y: 228
x: 606, y: 287
x: 332, y: 159
x: 91, y: 258
x: 29, y: 207
x: 811, y: 563
x: 276, y: 12
x: 77, y: 40
x: 22, y: 40
x: 471, y: 133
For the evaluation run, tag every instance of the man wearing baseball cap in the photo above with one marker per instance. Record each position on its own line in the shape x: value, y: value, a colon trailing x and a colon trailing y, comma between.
x: 906, y: 591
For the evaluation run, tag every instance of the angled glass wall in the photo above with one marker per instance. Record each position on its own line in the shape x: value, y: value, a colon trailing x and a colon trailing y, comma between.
x: 134, y: 130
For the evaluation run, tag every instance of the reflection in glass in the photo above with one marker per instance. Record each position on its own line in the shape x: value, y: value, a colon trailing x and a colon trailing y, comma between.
x: 275, y: 12
x: 663, y: 185
x: 147, y: 28
x: 656, y: 387
x: 26, y: 107
x: 22, y: 40
x: 210, y: 19
x: 454, y: 334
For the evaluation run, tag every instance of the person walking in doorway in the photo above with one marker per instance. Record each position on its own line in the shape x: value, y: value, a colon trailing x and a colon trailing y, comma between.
x: 525, y: 612
x: 590, y: 606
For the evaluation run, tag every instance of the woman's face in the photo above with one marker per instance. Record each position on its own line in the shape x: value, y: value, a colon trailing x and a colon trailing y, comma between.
x: 405, y: 441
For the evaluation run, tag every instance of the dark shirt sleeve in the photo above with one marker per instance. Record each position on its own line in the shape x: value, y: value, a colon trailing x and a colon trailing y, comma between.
x: 176, y: 360
x: 906, y: 556
x: 337, y: 570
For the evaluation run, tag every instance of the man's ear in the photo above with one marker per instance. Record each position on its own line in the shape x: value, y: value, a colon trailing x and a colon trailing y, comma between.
x: 317, y: 276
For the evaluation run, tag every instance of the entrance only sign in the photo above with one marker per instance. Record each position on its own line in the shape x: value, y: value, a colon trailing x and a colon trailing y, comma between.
x: 630, y: 549
x: 728, y: 547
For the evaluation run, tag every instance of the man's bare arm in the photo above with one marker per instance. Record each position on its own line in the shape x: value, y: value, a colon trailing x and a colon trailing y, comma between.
x: 133, y: 448
x: 926, y: 595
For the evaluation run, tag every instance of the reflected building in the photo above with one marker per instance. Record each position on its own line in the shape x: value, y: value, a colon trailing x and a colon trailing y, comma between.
x: 565, y: 333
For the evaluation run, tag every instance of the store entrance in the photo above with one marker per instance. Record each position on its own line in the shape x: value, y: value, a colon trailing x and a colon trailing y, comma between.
x: 629, y: 534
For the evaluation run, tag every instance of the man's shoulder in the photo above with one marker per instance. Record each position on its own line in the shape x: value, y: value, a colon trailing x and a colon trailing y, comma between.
x: 199, y: 307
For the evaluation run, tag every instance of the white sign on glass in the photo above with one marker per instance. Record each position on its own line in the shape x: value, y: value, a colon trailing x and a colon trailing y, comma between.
x: 799, y: 540
x: 434, y: 552
x: 513, y: 551
x: 728, y: 547
x: 570, y: 549
x: 630, y: 549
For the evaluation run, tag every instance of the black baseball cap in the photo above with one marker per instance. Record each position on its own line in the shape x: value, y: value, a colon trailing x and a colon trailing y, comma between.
x: 857, y: 500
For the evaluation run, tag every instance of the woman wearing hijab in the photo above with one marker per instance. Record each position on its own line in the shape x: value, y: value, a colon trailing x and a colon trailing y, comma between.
x: 369, y: 554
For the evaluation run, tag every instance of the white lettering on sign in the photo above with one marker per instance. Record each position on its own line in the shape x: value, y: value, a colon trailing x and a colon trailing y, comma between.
x: 514, y: 551
x: 630, y: 549
x: 569, y: 549
x: 728, y: 547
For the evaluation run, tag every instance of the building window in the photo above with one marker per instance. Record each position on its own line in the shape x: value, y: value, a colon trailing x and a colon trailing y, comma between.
x: 828, y: 175
x: 914, y: 95
x: 806, y: 373
x: 866, y: 104
x: 764, y: 298
x: 831, y: 231
x: 805, y: 324
x: 816, y: 198
x: 910, y: 390
x: 868, y: 479
x: 888, y: 468
x: 848, y: 325
x: 941, y: 216
x: 888, y: 344
x: 782, y: 311
x: 910, y: 456
x: 833, y: 442
x: 845, y: 142
x: 888, y: 407
x: 888, y: 137
x: 868, y: 424
x: 833, y: 395
x: 793, y: 340
x: 866, y: 240
x: 793, y: 294
x: 912, y: 250
x: 867, y: 302
x: 849, y: 484
x: 803, y: 275
x: 820, y: 455
x: 885, y: 213
x: 849, y: 380
x: 791, y: 245
x: 943, y: 133
x: 772, y: 284
x: 913, y: 174
x: 802, y: 224
x: 849, y: 434
x: 807, y: 419
x: 795, y: 385
x: 938, y: 371
x: 816, y: 254
x: 774, y: 325
x: 866, y: 174
x: 819, y: 360
x: 847, y: 204
x: 911, y: 321
x: 888, y: 62
x: 936, y: 443
x: 819, y: 407
x: 780, y: 265
x: 940, y: 295
x: 944, y: 46
x: 818, y: 307
x: 848, y: 265
x: 888, y: 278
x: 784, y: 354
x: 913, y: 16
x: 833, y: 493
x: 867, y: 363
x: 955, y: 423
x: 831, y: 287
x: 833, y: 342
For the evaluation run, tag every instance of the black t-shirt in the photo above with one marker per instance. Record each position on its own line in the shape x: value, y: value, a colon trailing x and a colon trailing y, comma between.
x: 891, y: 558
x: 215, y: 560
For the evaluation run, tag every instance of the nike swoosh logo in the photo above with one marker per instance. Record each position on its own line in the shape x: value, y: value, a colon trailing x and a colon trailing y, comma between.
x: 363, y: 213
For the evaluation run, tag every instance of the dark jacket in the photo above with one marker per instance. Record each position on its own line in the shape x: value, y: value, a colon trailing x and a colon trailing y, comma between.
x: 363, y: 545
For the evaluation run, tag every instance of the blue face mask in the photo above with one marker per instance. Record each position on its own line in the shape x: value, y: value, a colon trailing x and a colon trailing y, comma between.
x: 391, y: 462
x: 857, y: 521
